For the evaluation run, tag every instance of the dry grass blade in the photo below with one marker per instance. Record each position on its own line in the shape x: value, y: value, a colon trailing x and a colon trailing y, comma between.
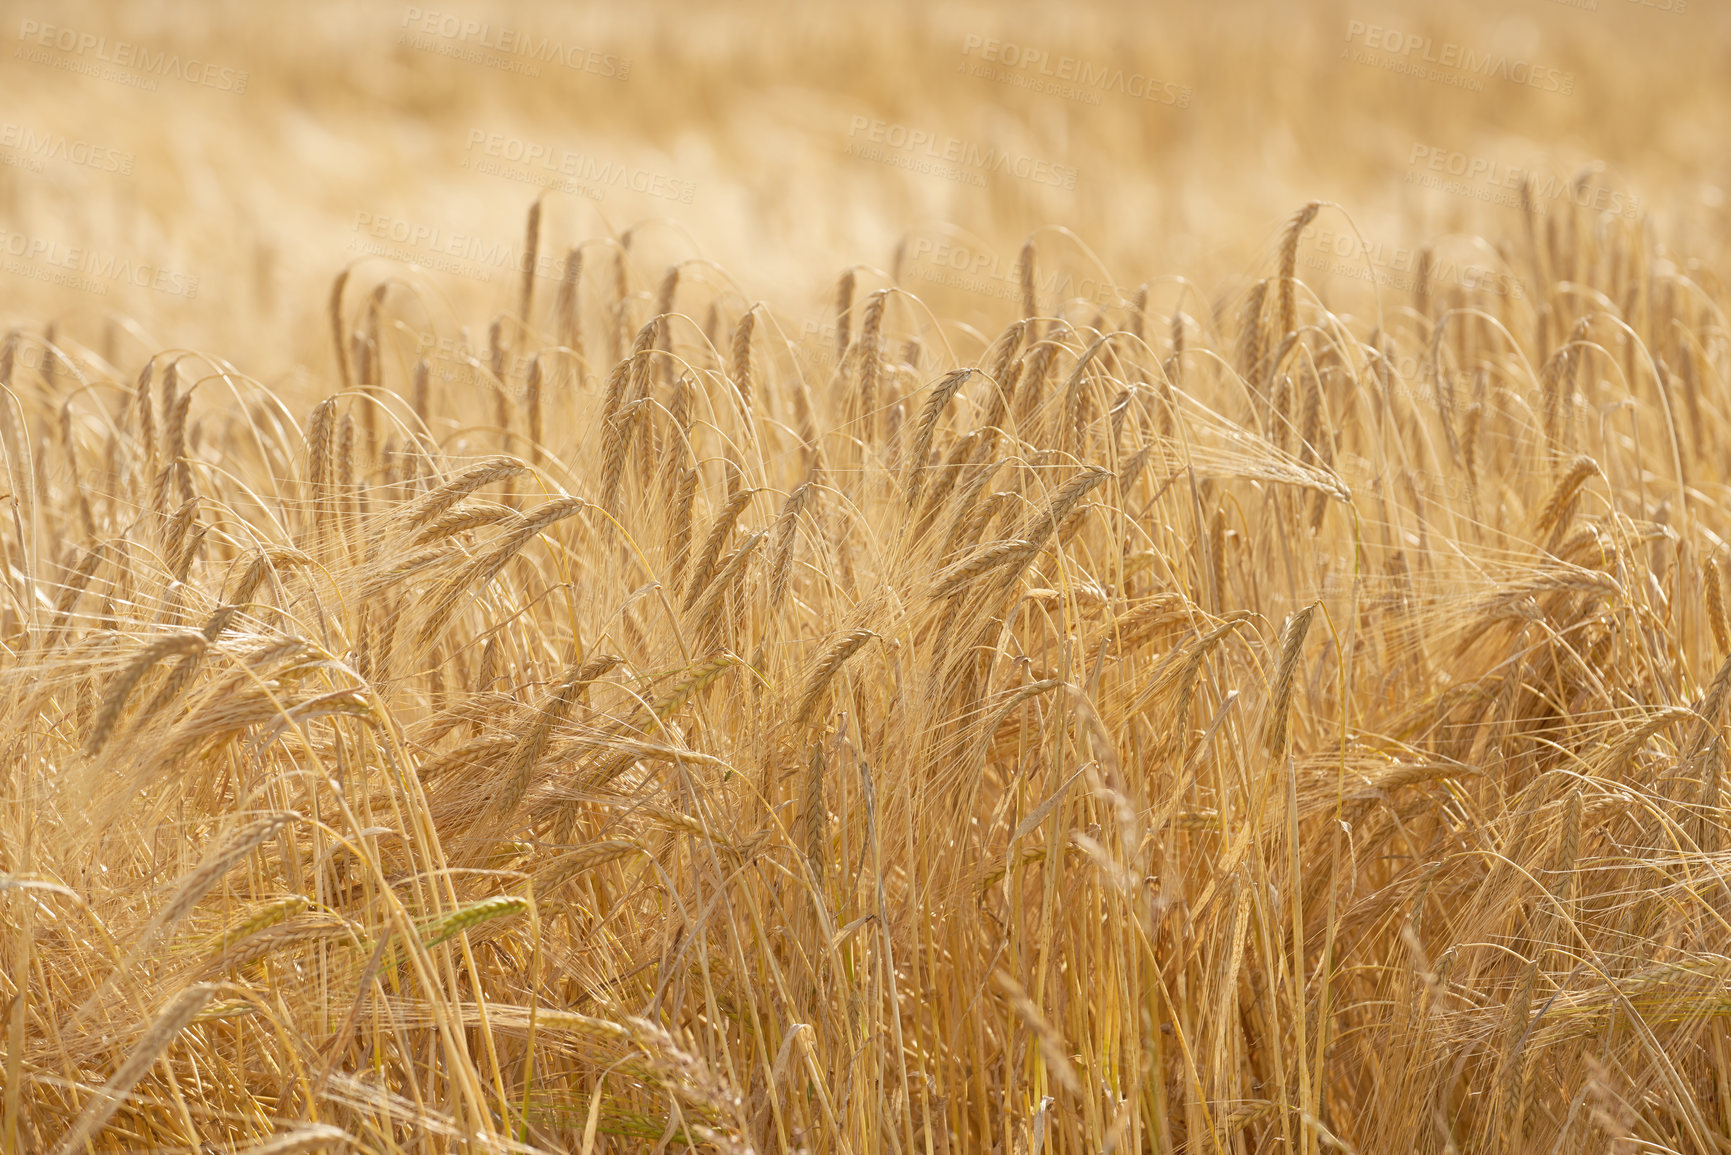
x: 1051, y: 1044
x: 306, y: 1138
x: 180, y: 1011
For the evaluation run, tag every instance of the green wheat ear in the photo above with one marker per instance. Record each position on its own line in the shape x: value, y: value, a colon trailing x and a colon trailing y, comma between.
x: 262, y: 919
x: 471, y: 916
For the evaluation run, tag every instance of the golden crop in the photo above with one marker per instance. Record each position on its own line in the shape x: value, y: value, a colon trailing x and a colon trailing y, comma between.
x: 905, y: 578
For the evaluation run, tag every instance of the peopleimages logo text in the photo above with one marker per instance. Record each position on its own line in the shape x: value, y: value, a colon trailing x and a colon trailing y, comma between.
x: 1396, y: 267
x: 1482, y: 178
x: 88, y: 270
x: 432, y: 239
x: 124, y: 54
x: 40, y: 146
x: 1075, y: 70
x: 432, y: 247
x: 515, y: 42
x: 953, y: 150
x: 1418, y: 49
x: 582, y: 168
x: 941, y: 261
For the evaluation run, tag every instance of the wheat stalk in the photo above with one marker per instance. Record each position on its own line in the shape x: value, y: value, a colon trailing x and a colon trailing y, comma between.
x: 169, y: 1022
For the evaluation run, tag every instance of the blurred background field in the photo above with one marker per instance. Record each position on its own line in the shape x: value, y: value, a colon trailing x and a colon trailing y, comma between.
x: 736, y: 120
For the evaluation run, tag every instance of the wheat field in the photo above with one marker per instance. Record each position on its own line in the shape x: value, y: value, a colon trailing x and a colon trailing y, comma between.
x: 905, y: 578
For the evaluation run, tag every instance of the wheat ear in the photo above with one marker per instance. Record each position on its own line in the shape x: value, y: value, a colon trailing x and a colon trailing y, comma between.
x: 1280, y: 697
x: 740, y: 358
x: 824, y: 669
x: 115, y: 701
x: 531, y: 250
x: 1289, y: 264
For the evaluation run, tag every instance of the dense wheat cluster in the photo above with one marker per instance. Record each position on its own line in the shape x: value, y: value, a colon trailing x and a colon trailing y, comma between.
x: 630, y: 712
